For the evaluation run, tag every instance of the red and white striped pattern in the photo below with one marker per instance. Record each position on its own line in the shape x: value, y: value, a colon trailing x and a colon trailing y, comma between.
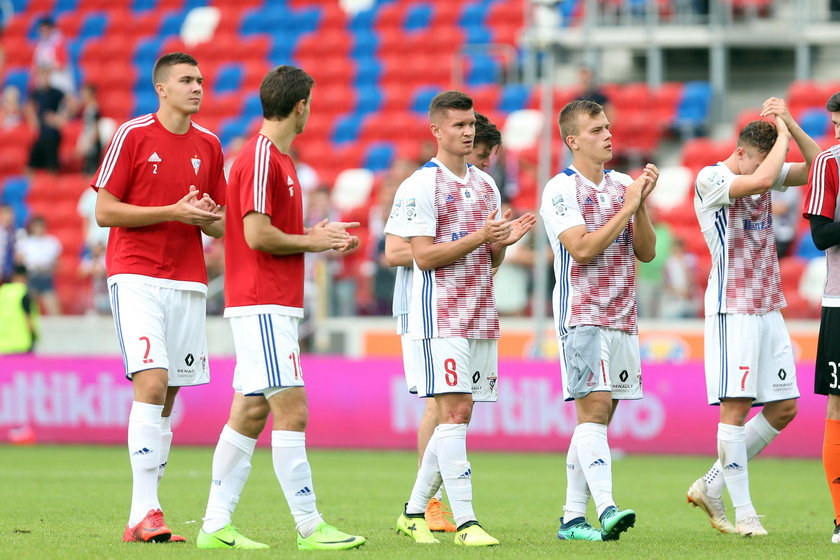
x: 113, y: 153
x: 262, y: 157
x: 824, y: 173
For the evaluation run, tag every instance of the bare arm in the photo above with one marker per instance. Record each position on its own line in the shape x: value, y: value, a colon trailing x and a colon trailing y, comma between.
x: 798, y: 173
x: 112, y: 212
x: 763, y: 179
x: 644, y: 236
x: 397, y: 251
x: 261, y: 235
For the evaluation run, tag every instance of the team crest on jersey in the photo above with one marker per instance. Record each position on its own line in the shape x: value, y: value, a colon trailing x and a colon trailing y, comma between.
x: 559, y: 205
x: 395, y: 209
x: 410, y: 209
x: 603, y: 199
x: 717, y: 179
x: 196, y: 163
x: 468, y: 194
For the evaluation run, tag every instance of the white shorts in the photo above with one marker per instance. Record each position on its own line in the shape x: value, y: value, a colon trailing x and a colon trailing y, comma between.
x: 749, y: 356
x: 600, y: 359
x: 409, y: 354
x: 267, y: 353
x: 458, y: 365
x: 161, y: 328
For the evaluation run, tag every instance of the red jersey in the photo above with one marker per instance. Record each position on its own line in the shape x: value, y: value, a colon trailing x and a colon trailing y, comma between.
x: 146, y: 165
x: 262, y: 179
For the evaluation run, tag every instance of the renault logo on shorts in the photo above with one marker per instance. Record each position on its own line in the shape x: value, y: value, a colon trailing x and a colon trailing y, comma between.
x: 782, y: 374
x: 476, y: 377
x: 623, y: 376
x: 189, y: 360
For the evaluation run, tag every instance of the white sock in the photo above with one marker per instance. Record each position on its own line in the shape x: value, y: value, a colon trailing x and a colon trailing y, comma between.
x: 165, y: 444
x: 732, y: 452
x: 439, y: 494
x: 577, y: 491
x: 455, y: 470
x: 596, y: 463
x: 758, y: 434
x: 288, y: 452
x: 428, y: 478
x: 231, y: 466
x: 144, y: 454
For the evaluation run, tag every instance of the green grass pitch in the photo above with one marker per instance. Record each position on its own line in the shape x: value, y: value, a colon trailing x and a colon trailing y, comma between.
x: 71, y: 502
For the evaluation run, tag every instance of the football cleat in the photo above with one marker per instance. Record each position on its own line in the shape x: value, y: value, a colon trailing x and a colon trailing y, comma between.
x: 472, y: 534
x: 416, y: 528
x: 227, y: 537
x: 750, y: 526
x: 327, y: 537
x: 176, y: 538
x: 578, y: 529
x: 698, y: 496
x: 835, y: 538
x: 150, y: 529
x: 615, y: 521
x: 439, y: 517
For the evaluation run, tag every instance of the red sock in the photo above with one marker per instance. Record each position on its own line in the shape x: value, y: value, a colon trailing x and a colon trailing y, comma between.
x: 831, y: 462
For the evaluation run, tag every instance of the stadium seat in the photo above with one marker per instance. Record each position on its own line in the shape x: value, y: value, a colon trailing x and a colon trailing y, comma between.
x: 422, y: 98
x: 94, y: 26
x: 368, y: 72
x: 369, y: 99
x: 477, y: 35
x: 481, y: 70
x: 693, y: 110
x: 485, y: 98
x: 473, y: 13
x: 18, y: 77
x: 14, y: 190
x: 522, y: 129
x: 815, y: 122
x: 379, y: 156
x: 418, y: 16
x: 347, y: 128
x: 352, y: 189
x: 514, y: 97
x: 145, y: 101
x: 228, y: 79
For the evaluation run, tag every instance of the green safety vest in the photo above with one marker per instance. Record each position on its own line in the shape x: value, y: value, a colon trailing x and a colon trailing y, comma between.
x: 15, y: 336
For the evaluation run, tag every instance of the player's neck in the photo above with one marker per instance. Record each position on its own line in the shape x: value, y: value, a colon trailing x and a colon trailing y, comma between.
x: 454, y: 163
x: 732, y: 164
x: 281, y: 133
x: 593, y: 171
x: 175, y: 122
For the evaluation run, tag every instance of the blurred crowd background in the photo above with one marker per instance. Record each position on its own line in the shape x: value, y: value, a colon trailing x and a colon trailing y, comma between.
x: 73, y: 70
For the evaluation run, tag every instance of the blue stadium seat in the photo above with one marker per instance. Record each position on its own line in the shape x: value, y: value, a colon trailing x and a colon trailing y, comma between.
x: 368, y: 72
x: 379, y: 156
x: 252, y: 22
x: 233, y: 127
x: 805, y: 247
x: 347, y: 128
x: 19, y: 5
x: 693, y: 109
x: 18, y: 77
x: 307, y: 20
x: 145, y: 101
x: 282, y: 47
x: 422, y: 98
x: 418, y: 17
x: 483, y: 70
x: 368, y: 99
x: 473, y: 14
x: 365, y: 43
x: 252, y: 107
x: 190, y: 4
x: 62, y: 6
x: 21, y: 212
x: 362, y: 21
x: 171, y: 24
x: 477, y: 35
x: 229, y: 78
x: 14, y: 190
x: 94, y: 26
x: 814, y: 122
x: 514, y: 97
x: 146, y: 53
x: 138, y: 6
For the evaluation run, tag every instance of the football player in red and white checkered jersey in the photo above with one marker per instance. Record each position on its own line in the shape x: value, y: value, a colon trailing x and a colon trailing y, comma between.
x: 486, y: 144
x: 597, y: 224
x: 158, y: 189
x: 822, y: 208
x: 748, y: 355
x: 450, y: 218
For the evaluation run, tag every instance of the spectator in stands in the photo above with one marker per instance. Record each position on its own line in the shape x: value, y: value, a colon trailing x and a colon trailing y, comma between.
x: 38, y: 251
x: 7, y: 242
x: 11, y: 111
x: 92, y: 267
x: 51, y: 53
x: 679, y: 299
x: 45, y: 112
x: 512, y: 282
x: 649, y: 293
x: 94, y: 233
x: 591, y: 91
x: 18, y: 315
x: 89, y: 145
x: 785, y: 218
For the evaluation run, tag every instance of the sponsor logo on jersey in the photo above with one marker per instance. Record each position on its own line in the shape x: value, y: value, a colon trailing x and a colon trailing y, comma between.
x: 196, y: 163
x: 154, y: 158
x: 450, y: 198
x: 760, y: 225
x: 589, y: 200
x: 559, y: 205
x: 395, y: 209
x: 456, y: 235
x: 410, y: 209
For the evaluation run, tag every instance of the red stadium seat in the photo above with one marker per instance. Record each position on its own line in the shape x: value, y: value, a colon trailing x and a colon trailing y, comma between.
x: 390, y: 16
x: 805, y: 93
x: 334, y: 43
x: 486, y: 98
x: 747, y: 116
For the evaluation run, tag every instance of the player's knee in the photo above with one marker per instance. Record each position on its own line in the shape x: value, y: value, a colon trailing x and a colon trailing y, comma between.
x: 785, y: 414
x: 460, y: 414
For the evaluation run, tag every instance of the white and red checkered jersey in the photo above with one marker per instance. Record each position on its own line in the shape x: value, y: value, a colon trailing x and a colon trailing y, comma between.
x: 262, y: 179
x: 404, y: 276
x: 146, y: 165
x: 453, y: 301
x: 822, y: 200
x: 603, y: 291
x: 739, y: 232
